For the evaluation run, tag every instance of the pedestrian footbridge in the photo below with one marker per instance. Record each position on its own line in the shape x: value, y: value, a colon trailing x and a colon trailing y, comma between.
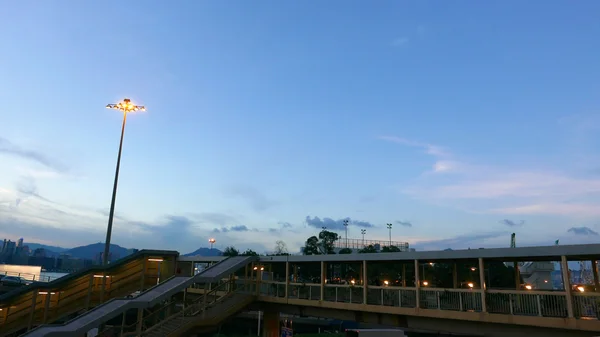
x: 158, y: 293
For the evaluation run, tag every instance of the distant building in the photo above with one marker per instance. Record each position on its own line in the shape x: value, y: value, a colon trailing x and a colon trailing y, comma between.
x: 20, y: 243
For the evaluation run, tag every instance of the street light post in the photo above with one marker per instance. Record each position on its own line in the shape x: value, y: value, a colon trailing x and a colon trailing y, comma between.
x: 126, y: 106
x: 346, y: 230
x: 212, y: 242
x: 389, y: 226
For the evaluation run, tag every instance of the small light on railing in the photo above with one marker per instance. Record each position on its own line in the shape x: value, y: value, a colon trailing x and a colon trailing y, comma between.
x: 545, y: 281
x: 431, y: 264
x: 581, y: 289
x: 100, y: 276
x: 156, y: 260
x: 386, y: 282
x: 425, y: 283
x: 528, y: 287
x: 473, y: 269
x: 262, y: 268
x: 470, y: 284
x: 353, y: 282
x: 45, y: 293
x: 255, y: 268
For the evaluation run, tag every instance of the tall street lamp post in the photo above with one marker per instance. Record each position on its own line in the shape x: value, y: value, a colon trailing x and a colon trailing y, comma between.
x: 212, y: 242
x: 389, y: 226
x: 126, y: 107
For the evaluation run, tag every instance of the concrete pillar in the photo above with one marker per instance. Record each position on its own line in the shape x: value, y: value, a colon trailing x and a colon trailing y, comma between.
x: 403, y: 274
x: 595, y: 272
x: 454, y: 276
x: 287, y: 279
x: 365, y: 281
x: 564, y: 267
x: 482, y: 285
x: 417, y: 284
x: 271, y: 323
x: 323, y: 277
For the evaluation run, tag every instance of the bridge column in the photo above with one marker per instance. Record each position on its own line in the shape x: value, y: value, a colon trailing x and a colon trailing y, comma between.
x: 287, y: 278
x: 483, y: 286
x: 417, y: 285
x: 564, y: 267
x: 323, y: 277
x: 270, y: 323
x: 365, y: 281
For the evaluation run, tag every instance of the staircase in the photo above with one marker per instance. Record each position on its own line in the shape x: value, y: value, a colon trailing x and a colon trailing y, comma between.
x: 208, y: 310
x: 149, y: 299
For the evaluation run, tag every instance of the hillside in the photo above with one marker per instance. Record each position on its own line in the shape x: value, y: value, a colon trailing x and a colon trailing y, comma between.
x: 91, y: 251
x: 205, y: 252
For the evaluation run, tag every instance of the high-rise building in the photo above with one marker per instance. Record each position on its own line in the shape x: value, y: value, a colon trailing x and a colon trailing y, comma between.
x: 20, y: 243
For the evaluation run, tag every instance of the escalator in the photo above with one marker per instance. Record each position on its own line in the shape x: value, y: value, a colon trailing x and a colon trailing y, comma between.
x: 155, y: 296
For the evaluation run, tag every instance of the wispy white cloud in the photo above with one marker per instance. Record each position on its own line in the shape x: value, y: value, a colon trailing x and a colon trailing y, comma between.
x: 510, y: 189
x: 444, y: 162
x: 400, y: 41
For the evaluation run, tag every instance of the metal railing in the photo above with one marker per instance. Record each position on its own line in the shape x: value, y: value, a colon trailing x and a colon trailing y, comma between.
x: 507, y: 302
x: 360, y: 244
x: 30, y: 276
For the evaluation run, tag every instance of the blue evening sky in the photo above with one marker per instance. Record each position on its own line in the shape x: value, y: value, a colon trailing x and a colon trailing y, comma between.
x: 459, y: 122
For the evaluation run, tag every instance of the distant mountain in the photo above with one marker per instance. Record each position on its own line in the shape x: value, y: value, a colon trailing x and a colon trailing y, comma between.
x: 205, y: 252
x: 91, y: 251
x: 54, y: 249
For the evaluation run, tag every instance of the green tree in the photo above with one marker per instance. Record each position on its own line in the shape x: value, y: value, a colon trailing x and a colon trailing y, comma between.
x: 249, y: 252
x: 323, y: 244
x: 345, y: 251
x: 368, y: 249
x: 231, y: 251
x: 390, y: 249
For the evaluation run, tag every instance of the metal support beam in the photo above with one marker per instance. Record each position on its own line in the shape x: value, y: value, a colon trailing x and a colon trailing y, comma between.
x: 323, y: 277
x: 595, y: 272
x: 32, y: 312
x: 454, y: 275
x: 365, y: 281
x: 88, y: 297
x: 417, y: 285
x: 46, y: 306
x: 140, y: 321
x: 144, y: 271
x: 482, y: 285
x: 564, y: 267
x: 287, y: 279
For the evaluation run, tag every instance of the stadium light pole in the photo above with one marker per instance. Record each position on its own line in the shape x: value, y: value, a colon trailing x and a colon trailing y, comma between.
x: 346, y: 230
x: 126, y: 107
x: 212, y: 242
x: 363, y: 232
x: 389, y: 226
